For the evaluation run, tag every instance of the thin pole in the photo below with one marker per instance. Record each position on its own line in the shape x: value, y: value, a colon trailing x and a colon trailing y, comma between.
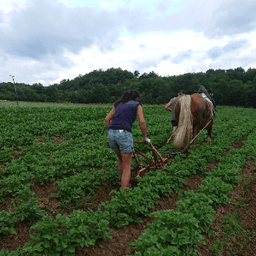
x: 15, y: 89
x: 197, y: 135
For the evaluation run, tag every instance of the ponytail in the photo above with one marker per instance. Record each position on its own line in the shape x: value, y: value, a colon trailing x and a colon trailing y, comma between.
x: 127, y: 96
x: 134, y: 94
x: 124, y: 98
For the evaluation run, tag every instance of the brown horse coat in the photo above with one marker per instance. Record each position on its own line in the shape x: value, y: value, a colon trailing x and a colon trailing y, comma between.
x: 196, y: 112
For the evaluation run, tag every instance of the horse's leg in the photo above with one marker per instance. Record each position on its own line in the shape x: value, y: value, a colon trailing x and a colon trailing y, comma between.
x: 195, y: 132
x: 209, y: 132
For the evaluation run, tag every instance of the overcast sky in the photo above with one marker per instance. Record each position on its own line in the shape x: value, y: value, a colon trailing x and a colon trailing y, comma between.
x: 46, y: 41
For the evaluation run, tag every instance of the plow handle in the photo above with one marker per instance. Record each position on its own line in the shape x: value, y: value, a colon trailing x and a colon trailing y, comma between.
x: 152, y: 147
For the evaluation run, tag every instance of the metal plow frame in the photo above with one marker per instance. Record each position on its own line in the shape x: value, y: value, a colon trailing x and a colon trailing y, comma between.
x: 157, y: 161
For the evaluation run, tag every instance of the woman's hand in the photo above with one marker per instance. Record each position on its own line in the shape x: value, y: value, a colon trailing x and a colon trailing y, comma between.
x: 147, y: 140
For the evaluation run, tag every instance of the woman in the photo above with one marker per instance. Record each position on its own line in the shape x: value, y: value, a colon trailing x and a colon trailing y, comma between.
x: 120, y: 137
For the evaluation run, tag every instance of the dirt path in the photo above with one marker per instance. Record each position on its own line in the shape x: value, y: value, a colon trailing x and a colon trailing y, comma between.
x: 242, y: 241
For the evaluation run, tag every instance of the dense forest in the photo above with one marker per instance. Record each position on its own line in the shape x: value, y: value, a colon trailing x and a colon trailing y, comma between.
x: 232, y: 87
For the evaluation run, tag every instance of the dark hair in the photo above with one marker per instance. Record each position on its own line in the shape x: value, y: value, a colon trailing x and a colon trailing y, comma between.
x: 134, y: 94
x: 128, y: 95
x: 181, y: 92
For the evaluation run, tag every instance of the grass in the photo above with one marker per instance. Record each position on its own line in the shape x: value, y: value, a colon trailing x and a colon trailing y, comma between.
x: 55, y: 104
x: 234, y: 236
x: 48, y: 104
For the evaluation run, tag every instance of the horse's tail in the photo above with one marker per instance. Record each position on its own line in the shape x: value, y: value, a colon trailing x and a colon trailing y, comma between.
x: 184, y: 132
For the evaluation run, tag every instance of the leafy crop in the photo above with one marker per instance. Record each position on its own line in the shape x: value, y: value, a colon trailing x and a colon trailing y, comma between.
x: 61, y: 235
x: 69, y: 147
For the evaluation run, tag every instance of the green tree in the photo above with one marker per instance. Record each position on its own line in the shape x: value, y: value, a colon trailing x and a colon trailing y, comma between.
x: 235, y: 89
x: 136, y: 73
x: 221, y: 90
x: 99, y: 94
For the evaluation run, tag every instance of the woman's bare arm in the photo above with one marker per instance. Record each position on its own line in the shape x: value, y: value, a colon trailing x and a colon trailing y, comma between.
x: 167, y: 106
x: 109, y: 117
x: 143, y: 126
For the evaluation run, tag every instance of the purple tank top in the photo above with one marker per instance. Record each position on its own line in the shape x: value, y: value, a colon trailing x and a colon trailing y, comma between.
x: 125, y: 115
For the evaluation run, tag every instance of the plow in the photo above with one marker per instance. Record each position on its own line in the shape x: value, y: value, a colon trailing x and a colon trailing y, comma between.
x: 157, y: 161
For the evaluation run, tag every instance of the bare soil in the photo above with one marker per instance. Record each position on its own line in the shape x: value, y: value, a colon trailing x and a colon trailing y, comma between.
x: 244, y: 196
x: 117, y: 246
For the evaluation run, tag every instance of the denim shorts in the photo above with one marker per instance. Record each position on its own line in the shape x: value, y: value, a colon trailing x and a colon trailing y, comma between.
x: 120, y: 140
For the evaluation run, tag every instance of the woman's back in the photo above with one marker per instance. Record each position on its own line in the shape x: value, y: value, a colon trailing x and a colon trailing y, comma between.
x: 125, y: 115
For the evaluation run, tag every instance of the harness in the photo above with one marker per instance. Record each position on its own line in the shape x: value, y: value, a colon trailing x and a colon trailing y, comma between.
x: 206, y: 98
x: 211, y: 103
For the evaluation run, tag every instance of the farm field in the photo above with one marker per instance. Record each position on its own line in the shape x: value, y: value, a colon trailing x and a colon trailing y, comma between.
x: 60, y: 188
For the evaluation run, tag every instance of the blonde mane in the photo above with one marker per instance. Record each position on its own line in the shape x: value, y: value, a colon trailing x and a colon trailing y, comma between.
x: 184, y: 132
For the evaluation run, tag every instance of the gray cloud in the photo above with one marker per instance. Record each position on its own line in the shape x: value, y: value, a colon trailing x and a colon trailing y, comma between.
x: 214, y: 52
x: 232, y: 18
x: 231, y: 61
x: 145, y: 64
x: 1, y: 16
x: 26, y: 71
x: 182, y: 56
x: 162, y: 5
x: 49, y: 27
x: 214, y: 18
x: 193, y: 16
x: 166, y: 57
x: 36, y: 40
x: 142, y: 46
x: 235, y: 45
x: 231, y: 46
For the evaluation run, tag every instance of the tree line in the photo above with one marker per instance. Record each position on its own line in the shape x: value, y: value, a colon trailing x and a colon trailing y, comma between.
x: 232, y: 87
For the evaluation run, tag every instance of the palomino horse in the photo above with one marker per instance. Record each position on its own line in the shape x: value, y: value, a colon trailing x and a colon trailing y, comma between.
x: 192, y: 113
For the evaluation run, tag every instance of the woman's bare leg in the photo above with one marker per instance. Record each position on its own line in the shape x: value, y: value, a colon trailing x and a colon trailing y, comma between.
x: 120, y: 163
x: 126, y: 166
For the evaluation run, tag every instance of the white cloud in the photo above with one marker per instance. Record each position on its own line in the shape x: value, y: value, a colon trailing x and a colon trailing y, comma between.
x: 10, y: 5
x: 130, y: 55
x: 232, y: 18
x: 52, y: 40
x: 111, y: 5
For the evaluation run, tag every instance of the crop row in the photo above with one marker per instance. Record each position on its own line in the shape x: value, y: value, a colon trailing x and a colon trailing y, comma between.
x: 80, y: 157
x: 131, y: 206
x: 178, y: 232
x: 122, y: 209
x: 83, y: 149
